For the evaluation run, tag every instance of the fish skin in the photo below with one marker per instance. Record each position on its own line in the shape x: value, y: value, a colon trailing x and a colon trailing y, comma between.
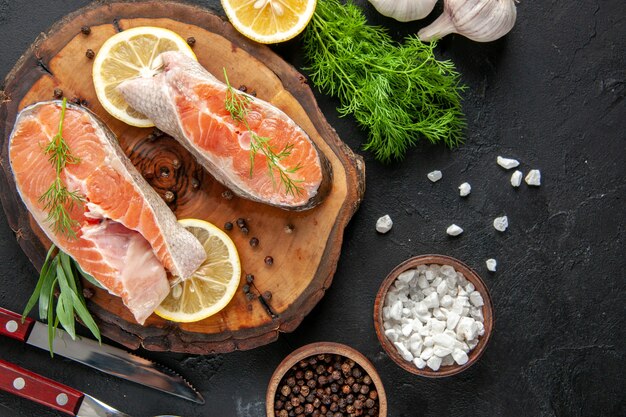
x: 102, y: 171
x: 159, y: 98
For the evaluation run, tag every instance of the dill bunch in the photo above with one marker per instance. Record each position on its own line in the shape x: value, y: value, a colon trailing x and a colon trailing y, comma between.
x: 397, y: 92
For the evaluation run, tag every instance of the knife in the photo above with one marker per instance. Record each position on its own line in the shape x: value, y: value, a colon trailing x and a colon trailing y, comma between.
x: 108, y: 359
x: 55, y: 395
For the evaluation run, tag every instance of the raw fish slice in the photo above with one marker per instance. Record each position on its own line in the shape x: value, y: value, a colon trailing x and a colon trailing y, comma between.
x: 120, y: 207
x: 188, y: 103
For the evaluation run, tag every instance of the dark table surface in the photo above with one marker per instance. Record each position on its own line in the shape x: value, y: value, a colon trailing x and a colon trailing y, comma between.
x: 550, y: 94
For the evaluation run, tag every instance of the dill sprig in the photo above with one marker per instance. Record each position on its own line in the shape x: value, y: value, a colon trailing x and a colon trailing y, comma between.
x: 60, y: 273
x: 58, y: 201
x: 397, y: 92
x: 238, y: 105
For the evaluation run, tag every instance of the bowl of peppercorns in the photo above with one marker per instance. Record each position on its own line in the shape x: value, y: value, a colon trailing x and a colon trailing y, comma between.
x: 326, y: 379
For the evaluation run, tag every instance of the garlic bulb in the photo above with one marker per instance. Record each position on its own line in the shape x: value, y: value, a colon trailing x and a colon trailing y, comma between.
x: 479, y: 20
x: 404, y: 10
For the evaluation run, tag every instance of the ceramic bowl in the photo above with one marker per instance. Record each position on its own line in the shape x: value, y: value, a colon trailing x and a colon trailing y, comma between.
x: 317, y: 349
x: 471, y: 276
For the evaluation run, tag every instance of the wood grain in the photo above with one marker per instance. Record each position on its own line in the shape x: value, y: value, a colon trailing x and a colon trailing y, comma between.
x: 305, y: 259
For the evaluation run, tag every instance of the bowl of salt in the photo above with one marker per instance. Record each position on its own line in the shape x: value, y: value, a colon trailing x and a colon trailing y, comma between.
x: 433, y: 316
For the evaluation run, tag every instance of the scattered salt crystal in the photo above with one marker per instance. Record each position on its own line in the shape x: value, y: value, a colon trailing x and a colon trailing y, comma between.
x: 434, y: 363
x: 446, y: 301
x: 465, y: 189
x: 428, y: 341
x: 438, y: 314
x: 501, y: 223
x: 419, y: 363
x: 476, y: 299
x: 459, y: 356
x: 407, y: 329
x: 507, y: 163
x: 491, y: 264
x: 384, y: 224
x: 437, y: 326
x: 444, y: 340
x: 435, y: 176
x: 432, y: 300
x: 454, y: 230
x: 533, y: 178
x: 516, y: 179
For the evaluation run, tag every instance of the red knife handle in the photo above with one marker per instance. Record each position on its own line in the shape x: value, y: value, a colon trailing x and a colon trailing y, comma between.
x: 11, y: 325
x: 36, y: 388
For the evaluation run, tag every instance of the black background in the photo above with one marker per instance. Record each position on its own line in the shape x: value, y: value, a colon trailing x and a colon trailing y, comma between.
x: 550, y: 94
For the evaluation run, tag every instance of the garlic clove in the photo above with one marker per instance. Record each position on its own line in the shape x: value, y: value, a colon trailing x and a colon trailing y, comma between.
x: 404, y: 10
x: 478, y: 20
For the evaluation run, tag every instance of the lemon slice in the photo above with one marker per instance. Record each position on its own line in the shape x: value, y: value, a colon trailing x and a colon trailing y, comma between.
x: 269, y: 21
x: 130, y: 54
x: 213, y: 285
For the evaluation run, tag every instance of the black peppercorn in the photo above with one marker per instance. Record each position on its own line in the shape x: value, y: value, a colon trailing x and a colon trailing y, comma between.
x: 58, y: 93
x: 373, y: 395
x: 291, y: 382
x: 283, y: 413
x: 85, y: 30
x: 246, y: 290
x: 356, y: 372
x: 269, y: 260
x: 169, y: 196
x: 356, y: 387
x: 249, y: 278
x: 308, y: 409
x: 243, y: 88
x: 311, y: 383
x: 191, y: 41
x: 90, y: 54
x: 267, y: 295
x: 296, y: 390
x: 228, y: 195
x: 285, y: 390
x: 228, y: 226
x: 350, y: 409
x: 346, y: 389
x: 358, y: 404
x: 195, y: 183
x: 345, y: 368
x: 241, y: 222
x: 88, y: 293
x: 369, y: 403
x: 364, y: 389
x: 367, y: 380
x: 254, y: 242
x: 245, y: 230
x: 250, y: 296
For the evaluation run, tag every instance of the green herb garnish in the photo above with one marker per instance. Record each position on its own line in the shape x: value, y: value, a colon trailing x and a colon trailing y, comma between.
x: 58, y: 200
x: 396, y: 92
x: 238, y: 105
x: 61, y: 273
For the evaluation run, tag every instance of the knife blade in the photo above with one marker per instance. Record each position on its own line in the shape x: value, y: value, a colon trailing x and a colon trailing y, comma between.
x: 34, y: 387
x: 108, y: 359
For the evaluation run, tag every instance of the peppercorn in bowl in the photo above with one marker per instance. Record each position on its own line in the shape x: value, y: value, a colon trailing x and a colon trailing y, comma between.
x: 433, y: 316
x: 324, y: 379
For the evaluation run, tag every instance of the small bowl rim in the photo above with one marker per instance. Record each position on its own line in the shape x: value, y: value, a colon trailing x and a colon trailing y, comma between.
x: 317, y: 348
x: 471, y: 276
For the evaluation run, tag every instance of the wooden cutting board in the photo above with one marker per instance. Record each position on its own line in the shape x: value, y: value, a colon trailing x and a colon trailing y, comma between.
x: 305, y: 245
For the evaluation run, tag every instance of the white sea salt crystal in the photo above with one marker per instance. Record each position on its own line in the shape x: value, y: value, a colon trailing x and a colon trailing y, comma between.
x: 446, y: 301
x: 459, y: 356
x: 384, y: 224
x: 406, y: 276
x: 392, y: 335
x: 533, y: 178
x: 465, y: 189
x: 437, y: 326
x: 434, y: 363
x: 453, y: 320
x: 421, y: 269
x: 396, y: 310
x: 438, y: 314
x: 447, y: 361
x: 444, y: 340
x: 422, y: 282
x: 442, y: 288
x: 441, y: 351
x: 477, y: 314
x: 421, y: 308
x: 491, y: 264
x: 405, y: 311
x: 507, y: 163
x: 428, y: 291
x: 472, y: 343
x: 436, y: 282
x: 435, y: 176
x: 419, y: 363
x: 447, y: 271
x: 476, y: 299
x: 430, y: 274
x: 428, y: 341
x: 516, y: 179
x: 469, y: 288
x: 501, y: 223
x: 404, y: 352
x: 426, y: 353
x: 432, y: 300
x: 386, y: 315
x: 454, y: 230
